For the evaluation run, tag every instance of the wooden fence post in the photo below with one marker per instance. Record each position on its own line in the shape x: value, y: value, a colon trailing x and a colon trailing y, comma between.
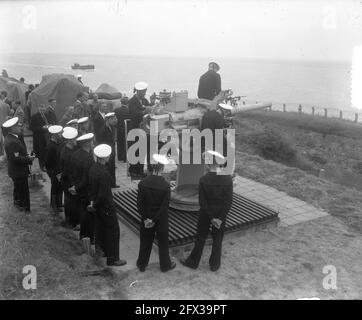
x: 326, y: 112
x: 313, y: 111
x: 300, y: 108
x: 284, y: 107
x: 356, y: 117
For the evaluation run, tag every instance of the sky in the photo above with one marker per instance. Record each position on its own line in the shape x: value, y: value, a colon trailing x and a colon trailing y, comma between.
x: 261, y: 29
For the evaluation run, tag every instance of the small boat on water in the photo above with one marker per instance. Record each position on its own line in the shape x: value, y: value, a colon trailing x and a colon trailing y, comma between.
x: 82, y: 67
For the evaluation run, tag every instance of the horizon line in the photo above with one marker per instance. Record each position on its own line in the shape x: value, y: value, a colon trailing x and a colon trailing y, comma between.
x: 185, y: 57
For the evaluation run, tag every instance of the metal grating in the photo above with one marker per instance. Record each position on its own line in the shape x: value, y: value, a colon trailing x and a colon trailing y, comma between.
x: 244, y: 213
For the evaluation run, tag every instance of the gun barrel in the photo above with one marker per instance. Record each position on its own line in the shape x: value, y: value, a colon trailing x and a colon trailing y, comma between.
x: 250, y: 107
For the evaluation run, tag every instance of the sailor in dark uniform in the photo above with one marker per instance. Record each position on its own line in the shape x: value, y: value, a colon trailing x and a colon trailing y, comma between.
x: 153, y: 202
x: 106, y: 135
x: 214, y: 120
x: 122, y: 114
x: 210, y: 83
x: 18, y: 162
x: 52, y: 166
x: 72, y: 123
x: 81, y: 161
x: 69, y: 135
x: 83, y: 126
x: 138, y: 106
x: 215, y: 198
x: 101, y: 205
x: 39, y: 124
x: 99, y: 121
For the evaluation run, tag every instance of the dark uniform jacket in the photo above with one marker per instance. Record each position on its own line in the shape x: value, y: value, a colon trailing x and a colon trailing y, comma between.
x: 81, y: 162
x: 212, y: 120
x: 65, y: 166
x: 136, y: 108
x: 100, y: 189
x: 98, y: 123
x: 37, y: 124
x: 209, y: 85
x: 52, y: 158
x: 106, y: 135
x: 153, y: 197
x: 215, y: 195
x: 50, y: 114
x: 18, y: 160
x: 122, y: 114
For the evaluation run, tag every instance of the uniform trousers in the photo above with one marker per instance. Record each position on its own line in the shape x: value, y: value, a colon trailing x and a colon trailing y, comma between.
x: 56, y: 192
x: 21, y: 192
x: 203, y: 228
x: 107, y: 234
x: 160, y: 230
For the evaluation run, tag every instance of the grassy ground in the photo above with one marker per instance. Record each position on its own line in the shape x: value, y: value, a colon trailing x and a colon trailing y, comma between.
x: 38, y: 239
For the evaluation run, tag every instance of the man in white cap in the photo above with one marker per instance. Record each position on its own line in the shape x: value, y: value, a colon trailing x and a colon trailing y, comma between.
x: 210, y: 83
x: 83, y: 126
x: 153, y: 201
x: 72, y: 123
x: 18, y: 163
x: 101, y: 204
x: 138, y: 106
x: 215, y: 197
x: 106, y: 135
x: 52, y: 166
x: 71, y: 214
x: 81, y: 161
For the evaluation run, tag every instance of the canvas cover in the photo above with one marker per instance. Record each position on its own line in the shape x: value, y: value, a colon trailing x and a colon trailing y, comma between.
x: 15, y: 89
x: 61, y: 87
x: 106, y: 91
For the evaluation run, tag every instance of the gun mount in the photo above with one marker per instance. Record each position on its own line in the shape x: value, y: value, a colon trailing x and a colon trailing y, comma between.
x: 173, y: 111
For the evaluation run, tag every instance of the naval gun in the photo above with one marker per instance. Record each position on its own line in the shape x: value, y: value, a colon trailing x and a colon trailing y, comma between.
x: 176, y: 111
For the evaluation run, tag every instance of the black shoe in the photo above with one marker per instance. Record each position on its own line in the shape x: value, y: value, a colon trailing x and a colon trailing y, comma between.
x: 76, y: 228
x: 186, y: 264
x: 115, y: 186
x: 117, y: 263
x: 172, y: 266
x: 141, y: 269
x: 214, y: 268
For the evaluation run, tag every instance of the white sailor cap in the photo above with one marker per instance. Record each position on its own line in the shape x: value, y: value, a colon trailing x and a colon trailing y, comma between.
x: 141, y: 86
x: 11, y: 122
x: 102, y: 151
x: 160, y: 158
x: 79, y: 76
x: 69, y: 133
x: 55, y: 129
x: 83, y: 120
x: 225, y: 106
x: 109, y: 115
x: 218, y: 156
x: 85, y: 137
x: 72, y: 121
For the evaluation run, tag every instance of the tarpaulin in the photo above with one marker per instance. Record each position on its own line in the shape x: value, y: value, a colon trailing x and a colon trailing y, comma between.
x: 61, y: 87
x: 106, y: 91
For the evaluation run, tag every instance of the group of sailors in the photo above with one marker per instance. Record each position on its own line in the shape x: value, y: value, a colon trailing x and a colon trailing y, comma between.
x: 79, y: 158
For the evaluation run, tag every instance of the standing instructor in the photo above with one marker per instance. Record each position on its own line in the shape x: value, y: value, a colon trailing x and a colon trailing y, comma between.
x: 210, y: 83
